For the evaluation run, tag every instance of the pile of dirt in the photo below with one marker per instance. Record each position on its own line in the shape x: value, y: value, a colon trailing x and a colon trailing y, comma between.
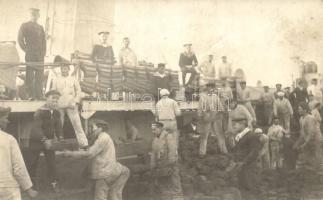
x: 207, y: 175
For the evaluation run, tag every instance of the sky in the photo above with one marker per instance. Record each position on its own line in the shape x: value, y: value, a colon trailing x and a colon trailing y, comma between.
x: 260, y: 36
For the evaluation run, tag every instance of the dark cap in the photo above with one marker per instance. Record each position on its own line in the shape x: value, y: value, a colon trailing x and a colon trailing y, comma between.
x: 34, y: 10
x: 266, y: 86
x: 161, y: 65
x: 210, y: 84
x: 100, y: 122
x: 104, y: 32
x: 187, y: 44
x: 278, y: 84
x: 60, y: 60
x: 243, y: 82
x: 4, y: 111
x: 239, y: 118
x: 158, y: 124
x: 52, y: 92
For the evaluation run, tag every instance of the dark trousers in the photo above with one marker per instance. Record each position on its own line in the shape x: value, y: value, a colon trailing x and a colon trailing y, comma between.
x: 33, y: 159
x: 35, y: 76
x: 248, y: 178
x: 188, y: 70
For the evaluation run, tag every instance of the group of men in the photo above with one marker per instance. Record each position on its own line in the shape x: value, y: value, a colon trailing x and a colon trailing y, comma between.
x: 32, y: 40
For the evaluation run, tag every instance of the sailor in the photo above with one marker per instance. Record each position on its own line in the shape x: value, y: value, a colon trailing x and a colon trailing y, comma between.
x: 160, y: 80
x: 187, y: 63
x: 243, y: 94
x: 267, y: 98
x: 167, y: 110
x: 13, y: 174
x: 103, y: 52
x: 315, y: 90
x: 164, y: 163
x: 210, y: 119
x: 127, y: 56
x: 107, y: 174
x: 32, y: 40
x: 70, y: 98
x: 225, y: 68
x: 47, y: 126
x: 283, y: 110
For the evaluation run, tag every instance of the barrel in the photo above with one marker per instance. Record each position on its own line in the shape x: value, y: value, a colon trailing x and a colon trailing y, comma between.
x: 8, y: 73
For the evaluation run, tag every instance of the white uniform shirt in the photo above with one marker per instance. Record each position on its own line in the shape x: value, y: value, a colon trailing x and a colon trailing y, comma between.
x: 13, y: 172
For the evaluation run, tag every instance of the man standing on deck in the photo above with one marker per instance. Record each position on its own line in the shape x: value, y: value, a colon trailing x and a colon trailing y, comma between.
x: 167, y: 110
x: 32, y: 40
x: 127, y: 56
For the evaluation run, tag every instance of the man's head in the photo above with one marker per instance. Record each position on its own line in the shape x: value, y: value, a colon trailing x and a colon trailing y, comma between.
x: 34, y: 14
x: 280, y: 95
x: 239, y: 124
x: 287, y: 90
x: 211, y: 58
x: 161, y: 68
x: 126, y: 42
x: 224, y: 59
x: 64, y: 65
x: 276, y: 120
x: 278, y: 86
x: 52, y: 98
x: 188, y: 47
x: 164, y: 92
x: 210, y: 87
x: 104, y: 36
x: 98, y: 126
x: 303, y: 108
x: 4, y: 113
x: 266, y: 89
x: 314, y: 81
x: 302, y: 84
x: 157, y: 128
x: 243, y: 84
x: 194, y: 121
x: 233, y: 104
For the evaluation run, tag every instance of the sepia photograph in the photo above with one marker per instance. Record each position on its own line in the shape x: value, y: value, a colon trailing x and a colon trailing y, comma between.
x: 161, y: 100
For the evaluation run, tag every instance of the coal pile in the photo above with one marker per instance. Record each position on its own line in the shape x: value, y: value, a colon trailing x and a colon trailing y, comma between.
x: 206, y: 176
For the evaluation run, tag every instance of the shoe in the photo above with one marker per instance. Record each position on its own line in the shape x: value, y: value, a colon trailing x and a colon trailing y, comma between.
x: 55, y: 187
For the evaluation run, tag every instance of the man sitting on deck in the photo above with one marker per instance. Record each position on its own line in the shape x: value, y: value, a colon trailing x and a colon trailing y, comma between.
x: 70, y: 91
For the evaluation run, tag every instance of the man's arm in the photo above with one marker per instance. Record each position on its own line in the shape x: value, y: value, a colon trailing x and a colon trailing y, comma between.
x: 43, y: 43
x: 195, y: 60
x: 290, y: 109
x: 94, y: 52
x: 121, y: 57
x: 21, y: 38
x: 58, y: 127
x: 177, y: 109
x: 93, y: 151
x: 181, y: 61
x: 18, y: 166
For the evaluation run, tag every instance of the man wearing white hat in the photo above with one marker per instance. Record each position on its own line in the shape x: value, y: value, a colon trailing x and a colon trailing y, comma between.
x: 167, y: 110
x: 283, y: 110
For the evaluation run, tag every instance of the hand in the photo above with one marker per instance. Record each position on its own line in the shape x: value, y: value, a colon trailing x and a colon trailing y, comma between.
x: 48, y: 144
x: 60, y: 138
x: 66, y: 153
x: 32, y: 193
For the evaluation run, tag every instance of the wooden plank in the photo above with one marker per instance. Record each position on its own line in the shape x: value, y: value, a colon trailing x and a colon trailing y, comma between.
x: 32, y: 106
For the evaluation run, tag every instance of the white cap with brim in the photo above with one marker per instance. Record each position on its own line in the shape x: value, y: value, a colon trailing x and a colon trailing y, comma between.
x: 280, y: 94
x: 164, y: 92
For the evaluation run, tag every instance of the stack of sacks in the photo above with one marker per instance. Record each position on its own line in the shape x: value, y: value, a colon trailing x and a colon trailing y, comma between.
x: 117, y: 76
x: 88, y: 83
x: 136, y: 80
x: 104, y: 77
x: 174, y: 81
